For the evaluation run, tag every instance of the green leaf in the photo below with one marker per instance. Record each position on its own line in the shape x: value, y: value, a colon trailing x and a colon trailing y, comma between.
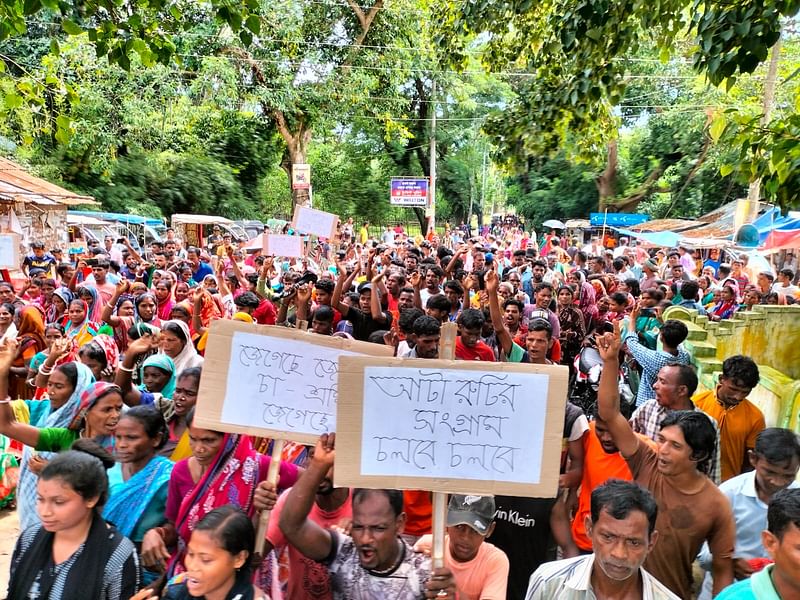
x: 54, y: 47
x: 725, y: 170
x: 175, y: 12
x: 594, y: 34
x: 31, y: 7
x: 2, y: 66
x: 71, y: 28
x: 253, y: 23
x: 13, y: 100
x: 717, y: 127
x: 246, y: 37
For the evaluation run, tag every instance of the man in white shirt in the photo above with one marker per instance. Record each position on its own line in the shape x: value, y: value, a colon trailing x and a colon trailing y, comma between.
x: 784, y: 284
x: 622, y: 529
x: 775, y: 461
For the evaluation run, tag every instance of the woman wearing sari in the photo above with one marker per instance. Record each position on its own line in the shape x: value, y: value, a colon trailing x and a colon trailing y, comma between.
x: 573, y: 330
x: 80, y: 327
x: 156, y: 374
x: 91, y: 296
x: 223, y: 469
x: 176, y: 342
x: 727, y: 305
x: 30, y: 341
x: 65, y: 383
x: 138, y: 482
x: 95, y: 418
x: 56, y: 312
x: 101, y: 355
x: 164, y: 300
x: 586, y: 300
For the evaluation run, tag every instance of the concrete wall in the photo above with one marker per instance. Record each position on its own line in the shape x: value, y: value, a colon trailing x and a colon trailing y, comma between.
x: 770, y: 335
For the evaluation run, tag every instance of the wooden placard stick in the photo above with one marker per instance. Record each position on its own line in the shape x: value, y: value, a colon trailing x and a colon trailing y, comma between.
x: 272, y: 477
x: 447, y: 351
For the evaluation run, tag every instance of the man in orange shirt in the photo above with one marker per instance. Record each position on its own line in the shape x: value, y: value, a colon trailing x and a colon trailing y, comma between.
x: 601, y: 462
x: 740, y: 421
x: 480, y: 569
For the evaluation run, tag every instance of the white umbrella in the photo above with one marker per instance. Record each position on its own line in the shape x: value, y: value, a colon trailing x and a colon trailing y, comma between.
x: 554, y: 224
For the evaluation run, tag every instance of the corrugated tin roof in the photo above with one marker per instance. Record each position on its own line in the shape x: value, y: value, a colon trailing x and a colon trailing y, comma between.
x: 17, y: 185
x: 666, y: 225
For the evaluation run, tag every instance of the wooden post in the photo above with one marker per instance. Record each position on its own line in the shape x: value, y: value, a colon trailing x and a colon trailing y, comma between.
x: 272, y: 477
x: 447, y: 351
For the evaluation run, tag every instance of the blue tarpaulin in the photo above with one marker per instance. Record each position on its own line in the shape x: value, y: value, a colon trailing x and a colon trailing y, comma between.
x: 616, y: 219
x: 666, y: 239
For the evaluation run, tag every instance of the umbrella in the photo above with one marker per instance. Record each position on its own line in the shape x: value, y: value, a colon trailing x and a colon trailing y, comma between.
x: 554, y: 224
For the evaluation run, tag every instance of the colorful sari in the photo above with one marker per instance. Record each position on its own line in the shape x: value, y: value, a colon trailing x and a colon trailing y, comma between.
x: 231, y: 479
x: 30, y: 337
x: 129, y: 500
x: 83, y: 332
x: 60, y: 417
x: 94, y: 311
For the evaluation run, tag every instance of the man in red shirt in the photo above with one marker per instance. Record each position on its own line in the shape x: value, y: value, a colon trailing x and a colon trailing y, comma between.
x: 468, y: 343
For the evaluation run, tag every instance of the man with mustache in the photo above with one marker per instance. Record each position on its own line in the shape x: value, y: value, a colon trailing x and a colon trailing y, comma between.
x: 622, y: 529
x: 373, y: 561
x: 332, y: 507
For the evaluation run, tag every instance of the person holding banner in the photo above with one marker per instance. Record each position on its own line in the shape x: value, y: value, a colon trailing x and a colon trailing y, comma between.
x: 480, y: 569
x: 373, y: 562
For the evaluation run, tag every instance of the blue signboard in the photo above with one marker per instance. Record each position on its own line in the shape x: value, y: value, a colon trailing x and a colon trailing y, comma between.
x: 617, y: 219
x: 409, y: 192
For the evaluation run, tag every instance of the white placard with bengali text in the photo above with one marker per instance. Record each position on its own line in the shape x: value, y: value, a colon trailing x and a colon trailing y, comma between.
x: 453, y: 423
x: 285, y: 245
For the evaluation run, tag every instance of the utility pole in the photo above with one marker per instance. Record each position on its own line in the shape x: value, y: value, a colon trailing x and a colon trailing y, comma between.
x: 754, y: 193
x: 432, y: 184
x: 483, y: 188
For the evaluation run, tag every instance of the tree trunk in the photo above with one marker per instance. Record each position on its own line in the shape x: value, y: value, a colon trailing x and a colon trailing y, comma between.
x: 607, y: 181
x: 296, y: 154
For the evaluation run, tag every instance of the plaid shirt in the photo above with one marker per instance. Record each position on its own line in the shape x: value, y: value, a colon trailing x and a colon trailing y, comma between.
x: 647, y: 420
x: 651, y: 362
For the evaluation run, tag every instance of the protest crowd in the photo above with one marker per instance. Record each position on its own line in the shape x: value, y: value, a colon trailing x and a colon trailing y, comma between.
x: 664, y: 491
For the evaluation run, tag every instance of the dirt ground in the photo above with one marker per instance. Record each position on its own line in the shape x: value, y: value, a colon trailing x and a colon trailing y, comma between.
x: 9, y: 530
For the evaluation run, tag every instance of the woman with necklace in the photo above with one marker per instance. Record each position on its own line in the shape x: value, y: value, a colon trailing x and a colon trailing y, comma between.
x: 74, y: 554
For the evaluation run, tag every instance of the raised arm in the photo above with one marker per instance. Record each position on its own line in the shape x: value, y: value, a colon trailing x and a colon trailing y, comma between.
x: 22, y: 432
x: 197, y: 322
x: 108, y: 308
x: 608, y: 345
x: 58, y: 349
x: 303, y: 301
x: 416, y: 282
x: 301, y: 532
x: 236, y: 270
x: 504, y: 338
x: 342, y: 279
x: 375, y: 300
x: 130, y: 394
x: 131, y: 251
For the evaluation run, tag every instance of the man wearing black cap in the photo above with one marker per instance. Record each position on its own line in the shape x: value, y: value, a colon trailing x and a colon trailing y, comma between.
x: 480, y: 569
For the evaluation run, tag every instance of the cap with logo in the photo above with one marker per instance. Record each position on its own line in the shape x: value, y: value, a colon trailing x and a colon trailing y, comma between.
x: 475, y: 511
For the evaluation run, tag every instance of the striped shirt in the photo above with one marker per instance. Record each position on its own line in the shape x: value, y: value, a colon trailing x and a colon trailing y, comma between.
x: 571, y: 579
x: 647, y: 420
x: 651, y: 362
x: 120, y: 579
